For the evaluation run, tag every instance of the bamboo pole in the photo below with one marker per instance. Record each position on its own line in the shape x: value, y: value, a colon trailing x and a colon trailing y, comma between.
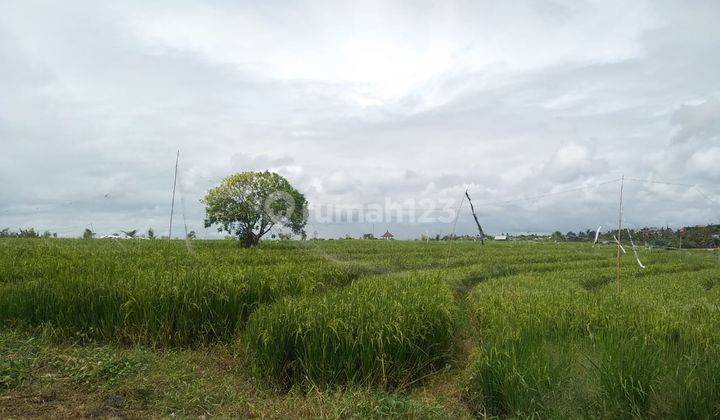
x: 620, y: 210
x: 172, y: 205
x: 472, y: 209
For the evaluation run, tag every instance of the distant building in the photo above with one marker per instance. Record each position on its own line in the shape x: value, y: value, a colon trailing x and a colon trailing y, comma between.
x: 387, y: 235
x: 501, y: 238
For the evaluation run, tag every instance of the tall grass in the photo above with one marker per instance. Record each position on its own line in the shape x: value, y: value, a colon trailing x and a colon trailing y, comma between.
x: 151, y: 292
x: 550, y: 334
x: 566, y: 343
x: 386, y: 330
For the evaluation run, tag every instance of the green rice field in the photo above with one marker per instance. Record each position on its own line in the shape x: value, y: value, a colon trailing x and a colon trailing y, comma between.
x: 356, y: 329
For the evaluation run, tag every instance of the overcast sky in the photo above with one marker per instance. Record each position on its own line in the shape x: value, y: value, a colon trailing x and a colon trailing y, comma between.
x: 358, y: 103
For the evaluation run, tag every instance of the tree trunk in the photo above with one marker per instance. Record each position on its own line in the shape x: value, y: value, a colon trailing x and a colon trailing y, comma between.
x: 248, y: 240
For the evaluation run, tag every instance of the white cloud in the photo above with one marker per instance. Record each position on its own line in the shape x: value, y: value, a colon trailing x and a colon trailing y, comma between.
x: 705, y: 163
x: 573, y: 161
x: 356, y: 102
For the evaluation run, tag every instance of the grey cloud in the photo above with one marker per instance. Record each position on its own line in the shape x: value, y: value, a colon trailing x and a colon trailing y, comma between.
x: 698, y: 123
x: 540, y: 97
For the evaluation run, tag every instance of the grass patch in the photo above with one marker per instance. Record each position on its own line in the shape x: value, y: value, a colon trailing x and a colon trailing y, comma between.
x: 387, y: 330
x: 149, y: 329
x: 151, y: 292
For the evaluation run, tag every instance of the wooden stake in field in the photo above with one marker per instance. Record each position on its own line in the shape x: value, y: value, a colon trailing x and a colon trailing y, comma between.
x: 620, y: 210
x: 172, y: 204
x: 472, y: 209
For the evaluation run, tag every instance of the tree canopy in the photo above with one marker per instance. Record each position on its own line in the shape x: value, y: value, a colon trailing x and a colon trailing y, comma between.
x: 249, y: 204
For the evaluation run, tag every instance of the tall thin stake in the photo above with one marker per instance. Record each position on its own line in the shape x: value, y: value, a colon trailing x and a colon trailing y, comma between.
x: 172, y: 205
x: 472, y: 209
x: 620, y: 211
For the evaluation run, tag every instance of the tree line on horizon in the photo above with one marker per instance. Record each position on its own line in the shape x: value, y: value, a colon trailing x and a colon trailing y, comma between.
x: 707, y: 236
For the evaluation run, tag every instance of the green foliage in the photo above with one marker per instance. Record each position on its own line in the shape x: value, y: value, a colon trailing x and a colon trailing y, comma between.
x: 384, y: 330
x: 701, y: 236
x: 249, y: 204
x: 12, y: 373
x: 384, y: 406
x: 17, y: 363
x: 28, y: 233
x: 104, y: 367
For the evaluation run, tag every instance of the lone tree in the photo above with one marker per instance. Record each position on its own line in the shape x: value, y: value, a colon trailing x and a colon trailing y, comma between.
x: 249, y: 204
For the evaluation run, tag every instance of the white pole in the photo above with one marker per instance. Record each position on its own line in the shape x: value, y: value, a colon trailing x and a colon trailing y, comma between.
x: 172, y: 205
x: 617, y: 271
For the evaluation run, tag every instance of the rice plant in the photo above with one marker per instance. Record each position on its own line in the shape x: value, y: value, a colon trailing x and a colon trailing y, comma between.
x: 386, y: 330
x: 544, y: 330
x: 564, y: 343
x: 150, y: 292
